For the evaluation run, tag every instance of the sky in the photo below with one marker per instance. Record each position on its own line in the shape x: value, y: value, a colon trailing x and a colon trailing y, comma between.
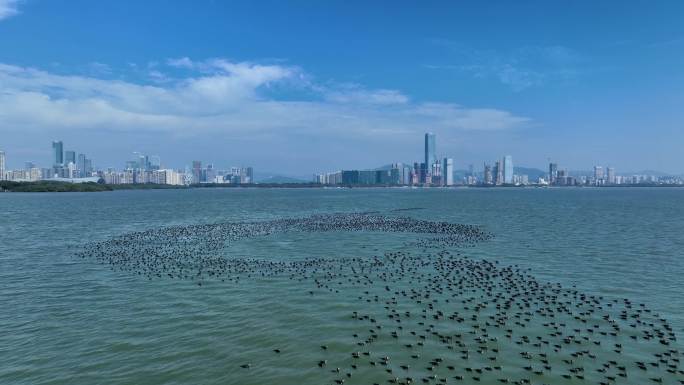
x: 298, y: 87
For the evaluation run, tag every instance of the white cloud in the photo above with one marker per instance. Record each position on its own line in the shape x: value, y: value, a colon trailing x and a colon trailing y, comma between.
x: 183, y: 62
x: 8, y: 8
x: 358, y: 95
x: 97, y: 68
x: 226, y: 97
x: 519, y: 79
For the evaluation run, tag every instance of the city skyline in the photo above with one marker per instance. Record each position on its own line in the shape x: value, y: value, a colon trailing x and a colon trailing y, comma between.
x: 429, y: 152
x: 434, y: 171
x: 582, y: 94
x: 143, y: 168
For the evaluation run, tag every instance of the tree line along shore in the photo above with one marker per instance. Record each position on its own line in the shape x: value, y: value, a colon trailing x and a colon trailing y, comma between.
x: 55, y: 186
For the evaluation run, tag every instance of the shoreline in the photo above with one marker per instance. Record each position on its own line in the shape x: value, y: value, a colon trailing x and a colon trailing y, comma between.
x: 54, y: 186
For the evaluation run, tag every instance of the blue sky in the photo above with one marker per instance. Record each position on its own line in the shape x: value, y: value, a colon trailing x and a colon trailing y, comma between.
x: 304, y: 86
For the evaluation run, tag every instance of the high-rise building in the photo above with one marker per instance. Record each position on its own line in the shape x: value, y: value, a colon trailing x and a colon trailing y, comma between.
x: 424, y: 174
x: 553, y: 172
x: 2, y: 165
x: 209, y: 174
x: 598, y: 173
x: 71, y: 170
x: 69, y: 157
x: 508, y: 169
x: 415, y: 173
x: 498, y: 173
x: 399, y: 171
x: 611, y: 175
x: 397, y: 174
x: 144, y: 162
x: 521, y: 180
x: 81, y: 165
x: 58, y: 153
x: 448, y: 172
x: 155, y: 163
x: 436, y: 174
x: 430, y: 150
x: 406, y: 175
x: 488, y: 179
x: 140, y: 162
x: 87, y: 168
x: 33, y: 174
x: 196, y: 171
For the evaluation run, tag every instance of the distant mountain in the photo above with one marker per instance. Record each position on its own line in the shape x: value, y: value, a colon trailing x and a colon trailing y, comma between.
x: 384, y: 168
x: 279, y: 179
x: 532, y: 173
x: 577, y: 174
x: 645, y: 172
x: 460, y: 174
x: 627, y: 173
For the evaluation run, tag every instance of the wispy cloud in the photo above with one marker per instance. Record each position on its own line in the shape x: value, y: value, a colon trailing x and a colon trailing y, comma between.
x: 183, y: 62
x: 519, y: 69
x: 222, y: 96
x: 8, y: 8
x: 357, y: 94
x: 97, y: 68
x: 669, y: 43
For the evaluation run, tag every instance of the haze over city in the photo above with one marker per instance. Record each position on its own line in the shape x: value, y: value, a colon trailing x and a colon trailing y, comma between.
x: 306, y: 87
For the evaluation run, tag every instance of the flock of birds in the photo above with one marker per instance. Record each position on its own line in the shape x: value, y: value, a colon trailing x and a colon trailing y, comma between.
x: 427, y: 316
x: 194, y: 252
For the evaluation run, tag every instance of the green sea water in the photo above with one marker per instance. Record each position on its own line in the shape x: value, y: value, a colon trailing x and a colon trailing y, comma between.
x: 65, y: 320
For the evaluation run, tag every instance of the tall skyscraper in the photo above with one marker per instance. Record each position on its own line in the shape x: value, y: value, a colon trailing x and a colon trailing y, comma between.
x: 144, y: 162
x: 430, y: 150
x: 488, y: 179
x: 406, y: 175
x: 498, y: 173
x: 58, y: 152
x: 436, y: 174
x: 208, y: 174
x: 82, y: 165
x: 196, y: 171
x: 155, y: 162
x: 447, y: 172
x: 611, y: 175
x: 2, y: 165
x: 69, y: 157
x: 553, y: 172
x: 416, y: 173
x: 508, y: 169
x: 87, y: 167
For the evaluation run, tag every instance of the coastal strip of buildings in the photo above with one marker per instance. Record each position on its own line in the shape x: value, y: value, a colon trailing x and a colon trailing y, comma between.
x: 431, y: 171
x: 434, y: 171
x: 70, y: 166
